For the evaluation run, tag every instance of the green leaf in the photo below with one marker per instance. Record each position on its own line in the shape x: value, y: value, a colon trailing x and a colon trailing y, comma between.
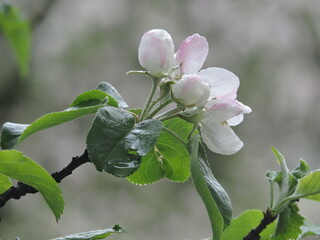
x: 308, y: 187
x: 169, y: 157
x: 301, y: 170
x: 18, y: 33
x: 15, y: 165
x: 289, y: 223
x: 91, y: 98
x: 149, y: 171
x: 172, y: 153
x: 309, y: 229
x: 287, y: 182
x: 213, y: 195
x: 5, y: 183
x: 86, y: 103
x: 116, y: 144
x: 244, y: 223
x: 111, y: 91
x: 93, y: 235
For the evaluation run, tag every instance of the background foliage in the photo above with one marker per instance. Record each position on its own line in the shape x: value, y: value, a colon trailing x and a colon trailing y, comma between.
x: 273, y: 47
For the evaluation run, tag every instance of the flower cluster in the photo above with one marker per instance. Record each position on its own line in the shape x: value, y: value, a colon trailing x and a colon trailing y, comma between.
x: 211, y: 91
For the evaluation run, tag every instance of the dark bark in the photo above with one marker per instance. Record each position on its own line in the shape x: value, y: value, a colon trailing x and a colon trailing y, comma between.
x: 21, y: 189
x: 268, y: 218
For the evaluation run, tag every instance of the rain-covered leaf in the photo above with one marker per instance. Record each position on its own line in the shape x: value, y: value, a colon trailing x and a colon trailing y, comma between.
x: 94, y: 235
x: 244, y: 223
x: 308, y: 187
x: 18, y: 33
x: 15, y: 165
x: 86, y: 103
x: 116, y: 144
x: 215, y: 198
x: 5, y: 183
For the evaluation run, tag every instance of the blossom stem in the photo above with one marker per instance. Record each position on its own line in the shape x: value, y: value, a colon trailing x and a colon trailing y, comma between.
x: 169, y: 114
x: 162, y: 105
x: 195, y: 126
x: 155, y: 84
x: 175, y: 135
x: 271, y: 194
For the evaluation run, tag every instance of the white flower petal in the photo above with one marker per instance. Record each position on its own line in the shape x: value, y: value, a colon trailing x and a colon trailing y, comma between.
x: 223, y: 83
x: 220, y: 138
x: 234, y: 121
x: 220, y: 110
x: 192, y: 53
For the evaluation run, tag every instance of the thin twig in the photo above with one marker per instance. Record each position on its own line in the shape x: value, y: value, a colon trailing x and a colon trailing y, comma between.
x: 21, y: 189
x: 254, y: 234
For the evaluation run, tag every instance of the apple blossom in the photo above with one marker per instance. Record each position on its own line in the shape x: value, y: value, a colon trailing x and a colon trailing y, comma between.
x: 212, y: 90
x: 191, y: 91
x: 222, y: 110
x: 215, y: 128
x: 156, y: 52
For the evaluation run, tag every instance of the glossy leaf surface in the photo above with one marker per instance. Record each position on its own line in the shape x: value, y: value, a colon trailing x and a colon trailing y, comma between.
x: 15, y: 165
x: 112, y: 91
x: 116, y: 144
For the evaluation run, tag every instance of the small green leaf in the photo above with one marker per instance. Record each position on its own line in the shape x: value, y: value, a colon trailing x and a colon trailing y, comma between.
x: 244, y: 223
x: 301, y: 170
x: 18, y: 33
x: 116, y: 144
x: 149, y: 170
x: 111, y: 91
x: 289, y: 223
x: 213, y: 195
x: 15, y: 165
x: 93, y: 235
x: 5, y: 183
x: 308, y: 187
x: 287, y: 182
x: 86, y: 103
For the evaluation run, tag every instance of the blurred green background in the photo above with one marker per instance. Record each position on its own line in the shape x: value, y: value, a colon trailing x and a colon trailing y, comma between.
x: 273, y: 46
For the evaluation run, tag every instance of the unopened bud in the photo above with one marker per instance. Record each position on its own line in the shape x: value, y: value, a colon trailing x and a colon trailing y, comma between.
x: 156, y: 52
x: 191, y: 91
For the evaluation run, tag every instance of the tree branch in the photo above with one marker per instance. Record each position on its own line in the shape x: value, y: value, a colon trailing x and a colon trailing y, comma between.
x: 268, y: 218
x: 21, y: 189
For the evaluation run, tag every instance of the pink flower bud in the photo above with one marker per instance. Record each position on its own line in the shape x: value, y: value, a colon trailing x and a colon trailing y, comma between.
x: 191, y: 91
x: 156, y: 52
